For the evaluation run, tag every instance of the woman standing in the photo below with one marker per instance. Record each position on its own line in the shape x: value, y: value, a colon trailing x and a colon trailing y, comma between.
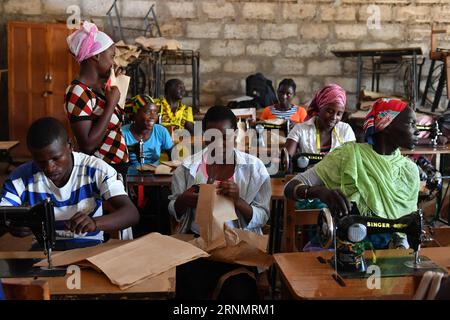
x: 90, y: 105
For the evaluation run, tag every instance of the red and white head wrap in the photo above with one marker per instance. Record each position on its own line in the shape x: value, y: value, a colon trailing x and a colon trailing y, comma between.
x: 382, y: 113
x: 330, y: 94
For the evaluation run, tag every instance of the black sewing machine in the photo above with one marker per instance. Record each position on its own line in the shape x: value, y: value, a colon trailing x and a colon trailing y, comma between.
x: 300, y: 162
x: 41, y: 220
x: 343, y: 233
x: 141, y: 155
x: 434, y: 131
x: 259, y: 126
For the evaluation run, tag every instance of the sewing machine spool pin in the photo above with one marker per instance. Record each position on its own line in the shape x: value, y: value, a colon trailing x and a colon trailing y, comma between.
x: 434, y: 131
x: 260, y: 139
x: 141, y: 153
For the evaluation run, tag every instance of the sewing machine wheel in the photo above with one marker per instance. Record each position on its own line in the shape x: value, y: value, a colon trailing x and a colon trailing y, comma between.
x: 326, y: 228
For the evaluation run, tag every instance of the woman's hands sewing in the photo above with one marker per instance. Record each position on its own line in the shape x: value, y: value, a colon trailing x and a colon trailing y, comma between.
x: 81, y: 223
x: 229, y: 189
x: 188, y: 199
x: 336, y: 201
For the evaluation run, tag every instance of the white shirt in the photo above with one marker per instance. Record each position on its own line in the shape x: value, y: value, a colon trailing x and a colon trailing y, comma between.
x: 253, y: 182
x: 305, y: 135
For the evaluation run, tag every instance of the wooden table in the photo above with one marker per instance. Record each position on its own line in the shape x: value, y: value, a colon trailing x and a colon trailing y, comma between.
x: 95, y: 285
x: 304, y: 277
x: 377, y: 55
x: 427, y: 149
x: 430, y: 150
x: 5, y: 148
x: 148, y: 179
x: 8, y: 145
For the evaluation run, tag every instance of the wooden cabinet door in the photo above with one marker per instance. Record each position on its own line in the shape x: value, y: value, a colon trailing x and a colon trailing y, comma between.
x: 62, y: 70
x: 40, y: 68
x: 27, y: 64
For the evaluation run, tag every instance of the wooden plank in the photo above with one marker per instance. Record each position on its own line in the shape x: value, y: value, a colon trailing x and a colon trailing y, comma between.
x: 7, y: 145
x: 11, y: 243
x: 26, y: 289
x: 278, y: 188
x: 94, y: 283
x: 378, y: 52
x: 307, y: 278
x: 427, y: 149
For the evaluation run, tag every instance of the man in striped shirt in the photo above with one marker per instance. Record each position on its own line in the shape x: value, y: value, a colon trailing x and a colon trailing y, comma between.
x: 76, y: 184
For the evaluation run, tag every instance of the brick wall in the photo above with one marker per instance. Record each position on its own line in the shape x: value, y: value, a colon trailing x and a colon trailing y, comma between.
x: 278, y: 38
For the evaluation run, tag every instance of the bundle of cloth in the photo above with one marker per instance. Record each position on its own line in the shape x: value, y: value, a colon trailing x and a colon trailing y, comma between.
x: 157, y: 44
x: 126, y: 54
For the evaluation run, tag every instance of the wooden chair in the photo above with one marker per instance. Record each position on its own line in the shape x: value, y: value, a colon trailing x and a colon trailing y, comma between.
x: 25, y: 289
x: 292, y: 219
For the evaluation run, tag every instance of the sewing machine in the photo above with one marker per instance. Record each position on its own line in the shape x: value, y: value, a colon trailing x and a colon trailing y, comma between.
x: 434, y: 131
x: 299, y: 162
x: 344, y: 233
x: 138, y: 150
x: 278, y: 124
x: 41, y: 220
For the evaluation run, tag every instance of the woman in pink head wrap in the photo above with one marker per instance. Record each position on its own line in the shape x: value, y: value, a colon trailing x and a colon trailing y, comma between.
x: 90, y: 105
x: 322, y: 130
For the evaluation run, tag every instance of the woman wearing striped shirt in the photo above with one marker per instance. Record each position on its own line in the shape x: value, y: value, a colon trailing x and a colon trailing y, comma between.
x: 285, y: 109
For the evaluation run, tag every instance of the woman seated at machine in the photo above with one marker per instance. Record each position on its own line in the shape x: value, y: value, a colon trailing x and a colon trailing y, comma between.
x: 284, y: 108
x: 146, y: 140
x: 240, y: 177
x: 173, y: 112
x: 323, y: 129
x: 153, y: 137
x: 373, y: 175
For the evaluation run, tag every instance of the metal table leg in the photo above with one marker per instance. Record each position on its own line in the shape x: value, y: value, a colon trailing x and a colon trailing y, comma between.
x: 427, y: 84
x: 358, y: 82
x: 439, y: 90
x: 414, y: 90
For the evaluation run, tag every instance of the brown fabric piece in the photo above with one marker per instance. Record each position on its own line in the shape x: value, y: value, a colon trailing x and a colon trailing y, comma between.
x: 212, y: 212
x: 132, y: 262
